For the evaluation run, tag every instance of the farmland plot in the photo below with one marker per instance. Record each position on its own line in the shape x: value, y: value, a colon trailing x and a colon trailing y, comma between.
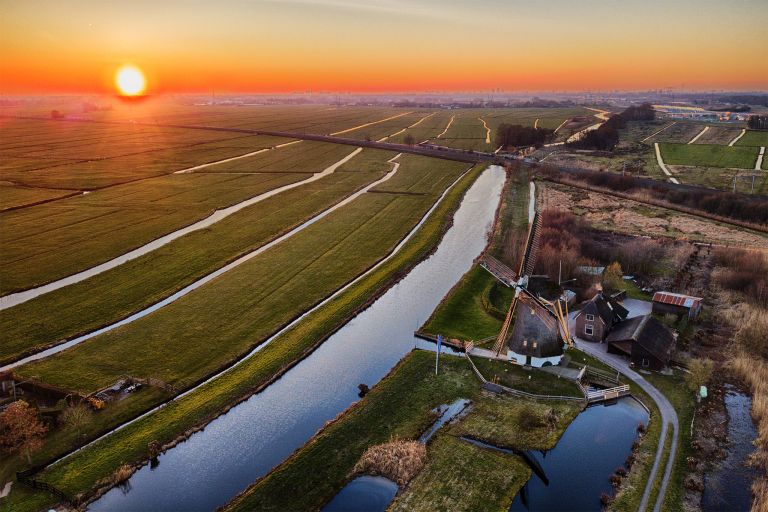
x: 53, y: 240
x: 709, y: 155
x: 137, y: 284
x: 243, y: 307
x: 753, y: 138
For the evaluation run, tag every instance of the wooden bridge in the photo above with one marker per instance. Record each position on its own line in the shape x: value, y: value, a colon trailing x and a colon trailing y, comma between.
x: 602, y: 395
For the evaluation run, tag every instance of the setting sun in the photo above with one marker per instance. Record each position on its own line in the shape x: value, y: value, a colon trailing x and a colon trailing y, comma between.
x: 130, y: 81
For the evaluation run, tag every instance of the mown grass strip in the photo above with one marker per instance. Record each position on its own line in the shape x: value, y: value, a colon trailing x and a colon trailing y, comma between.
x: 117, y: 293
x: 81, y: 472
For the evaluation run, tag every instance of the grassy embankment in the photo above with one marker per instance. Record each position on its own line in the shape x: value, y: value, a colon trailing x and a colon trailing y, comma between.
x: 475, y: 307
x: 457, y: 475
x: 81, y: 472
x: 141, y: 282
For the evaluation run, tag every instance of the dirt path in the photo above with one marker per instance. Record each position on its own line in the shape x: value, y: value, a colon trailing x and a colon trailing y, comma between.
x: 734, y: 141
x: 663, y: 165
x: 536, y: 124
x: 659, y: 131
x: 759, y: 163
x: 702, y: 132
x: 371, y: 123
x: 384, y: 139
x: 450, y: 122
x: 560, y: 126
x: 487, y: 130
x: 213, y: 275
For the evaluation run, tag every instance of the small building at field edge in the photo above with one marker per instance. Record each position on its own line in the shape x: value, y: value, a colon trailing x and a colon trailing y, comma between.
x: 665, y: 303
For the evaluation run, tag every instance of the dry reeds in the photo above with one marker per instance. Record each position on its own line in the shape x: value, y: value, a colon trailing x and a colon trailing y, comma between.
x: 122, y: 474
x: 397, y: 460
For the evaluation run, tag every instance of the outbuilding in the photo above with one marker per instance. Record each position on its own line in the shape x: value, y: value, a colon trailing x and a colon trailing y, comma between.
x: 648, y: 342
x: 665, y: 303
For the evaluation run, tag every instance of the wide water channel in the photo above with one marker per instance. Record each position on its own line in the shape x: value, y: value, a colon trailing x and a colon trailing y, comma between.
x: 578, y: 468
x: 237, y: 448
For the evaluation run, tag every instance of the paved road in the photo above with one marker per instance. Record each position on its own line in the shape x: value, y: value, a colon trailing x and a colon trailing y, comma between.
x: 668, y: 417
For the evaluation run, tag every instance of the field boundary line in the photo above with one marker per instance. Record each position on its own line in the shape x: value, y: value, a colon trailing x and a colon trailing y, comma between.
x: 658, y: 131
x: 702, y: 132
x: 663, y: 166
x: 734, y: 141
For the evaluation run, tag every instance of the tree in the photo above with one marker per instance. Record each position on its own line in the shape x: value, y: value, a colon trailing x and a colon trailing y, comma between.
x: 700, y: 371
x: 76, y: 416
x: 20, y: 429
x: 409, y: 140
x: 613, y: 277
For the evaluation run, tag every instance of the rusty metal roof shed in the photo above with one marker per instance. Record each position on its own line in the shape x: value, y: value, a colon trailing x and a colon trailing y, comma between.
x: 676, y: 299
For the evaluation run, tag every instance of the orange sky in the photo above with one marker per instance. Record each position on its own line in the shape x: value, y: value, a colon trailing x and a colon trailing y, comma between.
x: 383, y: 45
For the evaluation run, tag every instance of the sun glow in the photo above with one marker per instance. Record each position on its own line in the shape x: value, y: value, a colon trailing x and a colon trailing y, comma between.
x: 130, y: 81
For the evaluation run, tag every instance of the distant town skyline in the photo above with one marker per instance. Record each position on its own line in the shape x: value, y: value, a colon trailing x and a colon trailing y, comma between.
x: 271, y: 46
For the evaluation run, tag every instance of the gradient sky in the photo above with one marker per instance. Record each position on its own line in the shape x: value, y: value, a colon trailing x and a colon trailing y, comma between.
x: 67, y: 46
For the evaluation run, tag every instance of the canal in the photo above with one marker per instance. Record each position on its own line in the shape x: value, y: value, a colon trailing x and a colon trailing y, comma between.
x: 213, y: 465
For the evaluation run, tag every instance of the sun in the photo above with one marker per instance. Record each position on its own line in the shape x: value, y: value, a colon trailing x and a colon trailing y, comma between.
x: 130, y: 81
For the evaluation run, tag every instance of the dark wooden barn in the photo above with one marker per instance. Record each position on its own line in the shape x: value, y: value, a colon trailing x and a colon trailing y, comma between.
x: 648, y: 343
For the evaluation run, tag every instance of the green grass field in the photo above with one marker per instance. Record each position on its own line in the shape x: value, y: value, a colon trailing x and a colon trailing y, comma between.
x: 80, y: 472
x: 53, y: 240
x: 709, y: 155
x: 264, y: 293
x: 139, y: 283
x: 753, y: 138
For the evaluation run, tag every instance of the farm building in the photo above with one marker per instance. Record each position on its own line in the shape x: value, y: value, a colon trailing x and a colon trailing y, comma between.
x: 535, y: 339
x: 597, y: 318
x: 648, y: 343
x: 677, y: 304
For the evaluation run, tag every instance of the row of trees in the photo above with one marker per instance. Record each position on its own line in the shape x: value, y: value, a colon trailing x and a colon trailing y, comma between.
x: 757, y: 122
x: 519, y: 136
x: 606, y: 136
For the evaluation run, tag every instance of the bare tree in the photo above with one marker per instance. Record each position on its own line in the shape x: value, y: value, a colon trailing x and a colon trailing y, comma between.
x: 409, y: 139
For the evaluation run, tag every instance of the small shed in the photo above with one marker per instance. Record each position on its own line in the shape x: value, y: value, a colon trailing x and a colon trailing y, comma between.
x: 679, y: 304
x: 648, y: 343
x: 535, y: 339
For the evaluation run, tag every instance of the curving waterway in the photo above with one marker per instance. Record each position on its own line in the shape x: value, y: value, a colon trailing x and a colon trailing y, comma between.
x: 213, y: 465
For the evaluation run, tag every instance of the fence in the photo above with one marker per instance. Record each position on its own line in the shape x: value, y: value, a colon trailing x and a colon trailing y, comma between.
x: 24, y: 477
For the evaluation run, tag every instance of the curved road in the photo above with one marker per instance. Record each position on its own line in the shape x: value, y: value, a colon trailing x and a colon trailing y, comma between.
x: 668, y: 417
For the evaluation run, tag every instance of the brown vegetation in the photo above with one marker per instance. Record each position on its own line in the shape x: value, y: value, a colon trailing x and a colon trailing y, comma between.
x: 397, y: 460
x: 20, y: 429
x: 744, y: 271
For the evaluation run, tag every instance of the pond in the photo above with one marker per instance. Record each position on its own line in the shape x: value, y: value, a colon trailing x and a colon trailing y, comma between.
x: 578, y: 468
